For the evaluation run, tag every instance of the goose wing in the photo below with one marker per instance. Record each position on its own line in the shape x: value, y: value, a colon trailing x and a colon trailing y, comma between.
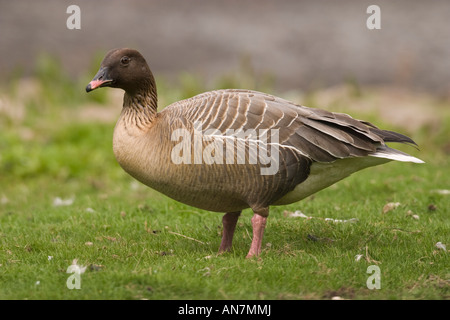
x: 319, y: 135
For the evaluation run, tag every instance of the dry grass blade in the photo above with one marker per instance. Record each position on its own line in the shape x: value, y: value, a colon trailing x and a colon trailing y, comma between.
x: 182, y: 235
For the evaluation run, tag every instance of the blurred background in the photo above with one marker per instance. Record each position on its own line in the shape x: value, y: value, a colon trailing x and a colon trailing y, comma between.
x: 316, y: 53
x: 302, y: 44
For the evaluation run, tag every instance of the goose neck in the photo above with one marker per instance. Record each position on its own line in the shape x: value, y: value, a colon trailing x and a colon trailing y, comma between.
x: 140, y: 108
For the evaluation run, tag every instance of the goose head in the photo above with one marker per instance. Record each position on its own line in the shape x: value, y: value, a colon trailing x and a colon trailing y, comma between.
x: 125, y: 69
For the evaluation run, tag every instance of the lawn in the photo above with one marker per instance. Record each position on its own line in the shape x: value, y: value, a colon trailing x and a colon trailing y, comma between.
x: 64, y: 200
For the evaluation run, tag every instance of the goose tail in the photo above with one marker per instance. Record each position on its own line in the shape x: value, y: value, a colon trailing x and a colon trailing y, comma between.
x: 393, y: 154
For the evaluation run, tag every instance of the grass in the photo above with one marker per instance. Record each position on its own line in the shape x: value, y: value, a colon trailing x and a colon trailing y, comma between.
x: 138, y: 244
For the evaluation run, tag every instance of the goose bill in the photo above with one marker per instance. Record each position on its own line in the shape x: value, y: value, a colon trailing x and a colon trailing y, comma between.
x: 101, y: 79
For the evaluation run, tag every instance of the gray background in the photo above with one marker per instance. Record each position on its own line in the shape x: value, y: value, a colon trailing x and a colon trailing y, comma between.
x: 303, y: 44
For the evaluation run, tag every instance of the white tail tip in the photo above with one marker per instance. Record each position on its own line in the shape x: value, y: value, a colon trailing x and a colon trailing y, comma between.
x: 397, y: 156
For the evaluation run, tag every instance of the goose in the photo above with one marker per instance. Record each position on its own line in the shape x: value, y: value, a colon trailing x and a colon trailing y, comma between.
x: 229, y: 150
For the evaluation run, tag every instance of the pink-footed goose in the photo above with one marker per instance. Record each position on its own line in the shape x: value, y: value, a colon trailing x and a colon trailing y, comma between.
x: 228, y: 150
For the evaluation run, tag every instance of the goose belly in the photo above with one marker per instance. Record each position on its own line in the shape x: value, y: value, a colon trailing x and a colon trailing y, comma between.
x: 188, y: 184
x: 323, y: 175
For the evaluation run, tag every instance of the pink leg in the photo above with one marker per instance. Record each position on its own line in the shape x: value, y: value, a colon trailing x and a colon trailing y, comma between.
x: 229, y: 221
x: 258, y: 224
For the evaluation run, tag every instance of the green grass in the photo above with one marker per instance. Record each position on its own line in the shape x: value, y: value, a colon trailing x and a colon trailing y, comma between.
x: 138, y: 244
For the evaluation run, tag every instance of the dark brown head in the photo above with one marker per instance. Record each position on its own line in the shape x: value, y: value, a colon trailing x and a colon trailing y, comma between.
x: 123, y: 68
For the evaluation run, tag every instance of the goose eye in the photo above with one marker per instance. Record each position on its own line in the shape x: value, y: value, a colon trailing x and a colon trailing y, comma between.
x: 125, y: 60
